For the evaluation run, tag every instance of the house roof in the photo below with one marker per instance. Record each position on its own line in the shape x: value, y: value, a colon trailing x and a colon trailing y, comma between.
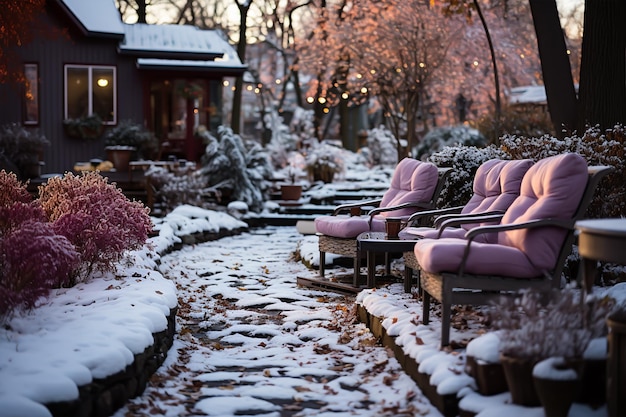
x: 163, y: 47
x: 176, y: 46
x: 95, y: 18
x: 535, y: 94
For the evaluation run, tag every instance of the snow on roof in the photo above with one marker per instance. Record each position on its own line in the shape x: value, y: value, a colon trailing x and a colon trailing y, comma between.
x: 171, y: 38
x: 98, y: 17
x: 158, y: 46
x: 528, y: 94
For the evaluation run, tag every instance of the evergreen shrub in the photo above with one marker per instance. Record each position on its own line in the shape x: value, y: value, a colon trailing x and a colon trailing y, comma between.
x: 464, y: 160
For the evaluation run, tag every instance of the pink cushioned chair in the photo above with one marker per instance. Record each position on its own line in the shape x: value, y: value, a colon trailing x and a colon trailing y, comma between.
x: 529, y: 246
x: 496, y: 185
x: 415, y: 185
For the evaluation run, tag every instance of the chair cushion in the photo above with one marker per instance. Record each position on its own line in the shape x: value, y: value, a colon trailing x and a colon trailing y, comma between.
x: 412, y: 181
x: 445, y: 255
x: 496, y: 185
x: 342, y: 226
x: 552, y: 188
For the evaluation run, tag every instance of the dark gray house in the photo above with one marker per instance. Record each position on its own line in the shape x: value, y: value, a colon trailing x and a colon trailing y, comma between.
x: 168, y: 78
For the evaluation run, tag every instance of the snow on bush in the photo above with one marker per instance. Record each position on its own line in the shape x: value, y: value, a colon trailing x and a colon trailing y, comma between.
x: 598, y: 148
x: 382, y: 147
x: 532, y: 329
x: 464, y: 160
x: 242, y: 168
x: 440, y: 137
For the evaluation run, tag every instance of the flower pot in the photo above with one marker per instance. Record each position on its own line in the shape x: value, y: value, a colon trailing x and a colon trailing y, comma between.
x: 291, y: 191
x: 489, y: 377
x: 616, y: 366
x: 519, y: 378
x: 593, y: 382
x: 120, y: 156
x: 557, y: 383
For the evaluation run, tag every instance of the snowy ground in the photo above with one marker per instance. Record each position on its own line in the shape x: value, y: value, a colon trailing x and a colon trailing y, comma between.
x: 249, y: 341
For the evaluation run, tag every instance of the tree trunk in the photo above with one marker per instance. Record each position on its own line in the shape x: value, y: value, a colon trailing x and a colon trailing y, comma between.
x: 241, y: 52
x: 602, y: 92
x: 555, y: 65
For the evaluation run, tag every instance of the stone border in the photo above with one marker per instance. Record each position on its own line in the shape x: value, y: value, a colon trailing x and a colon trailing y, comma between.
x: 103, y: 397
x: 448, y: 404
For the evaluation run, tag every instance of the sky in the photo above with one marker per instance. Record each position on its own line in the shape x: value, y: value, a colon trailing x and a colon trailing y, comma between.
x: 248, y: 337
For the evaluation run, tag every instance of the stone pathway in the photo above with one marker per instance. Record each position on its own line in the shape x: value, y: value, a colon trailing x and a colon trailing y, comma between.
x: 252, y: 343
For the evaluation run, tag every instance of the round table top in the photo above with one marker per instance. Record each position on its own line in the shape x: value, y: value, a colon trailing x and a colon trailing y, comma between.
x: 614, y: 227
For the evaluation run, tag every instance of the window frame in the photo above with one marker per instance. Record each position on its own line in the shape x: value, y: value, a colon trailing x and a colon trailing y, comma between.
x: 31, y: 79
x: 90, y: 70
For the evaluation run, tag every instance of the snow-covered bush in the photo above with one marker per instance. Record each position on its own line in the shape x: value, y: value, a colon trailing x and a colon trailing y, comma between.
x: 323, y: 162
x: 464, y: 160
x: 532, y: 329
x: 96, y: 217
x: 440, y: 137
x: 598, y: 148
x: 382, y: 147
x: 241, y: 169
x: 175, y: 188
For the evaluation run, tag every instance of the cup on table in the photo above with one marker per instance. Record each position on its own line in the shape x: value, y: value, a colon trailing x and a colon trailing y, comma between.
x: 393, y: 226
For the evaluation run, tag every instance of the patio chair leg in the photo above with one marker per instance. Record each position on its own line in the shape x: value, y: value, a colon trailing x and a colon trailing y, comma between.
x: 446, y: 310
x: 426, y: 308
x: 357, y: 270
x: 408, y: 278
x: 322, y: 263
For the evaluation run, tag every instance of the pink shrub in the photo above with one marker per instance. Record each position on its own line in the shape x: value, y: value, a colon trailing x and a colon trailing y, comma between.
x: 12, y: 190
x: 33, y: 259
x: 16, y: 204
x: 96, y: 217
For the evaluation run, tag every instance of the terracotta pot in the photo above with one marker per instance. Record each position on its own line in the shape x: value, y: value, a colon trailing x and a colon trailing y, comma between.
x: 557, y: 385
x: 291, y: 191
x: 120, y: 156
x: 519, y: 378
x: 489, y: 377
x: 616, y: 365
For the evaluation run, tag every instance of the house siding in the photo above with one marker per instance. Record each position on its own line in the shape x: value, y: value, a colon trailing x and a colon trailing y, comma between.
x: 51, y: 55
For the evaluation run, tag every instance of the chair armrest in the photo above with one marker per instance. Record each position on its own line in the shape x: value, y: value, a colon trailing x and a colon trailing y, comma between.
x: 436, y: 212
x: 455, y: 221
x: 376, y: 211
x: 531, y: 224
x: 348, y: 206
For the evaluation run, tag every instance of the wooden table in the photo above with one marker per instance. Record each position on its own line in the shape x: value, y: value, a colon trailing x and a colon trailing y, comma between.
x: 377, y: 242
x: 600, y: 240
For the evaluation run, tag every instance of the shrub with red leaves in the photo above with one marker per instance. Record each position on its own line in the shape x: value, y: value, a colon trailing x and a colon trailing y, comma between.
x: 16, y: 204
x: 96, y: 217
x: 33, y: 259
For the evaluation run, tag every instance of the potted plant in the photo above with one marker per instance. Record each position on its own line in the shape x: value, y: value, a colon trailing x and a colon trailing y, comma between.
x: 323, y: 162
x: 88, y: 127
x: 129, y: 140
x: 22, y: 149
x: 536, y: 327
x: 292, y: 190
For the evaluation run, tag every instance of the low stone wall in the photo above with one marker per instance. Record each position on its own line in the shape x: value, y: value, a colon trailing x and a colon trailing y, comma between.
x: 102, y: 397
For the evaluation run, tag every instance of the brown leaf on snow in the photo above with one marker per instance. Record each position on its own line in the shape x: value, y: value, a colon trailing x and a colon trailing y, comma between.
x: 302, y: 389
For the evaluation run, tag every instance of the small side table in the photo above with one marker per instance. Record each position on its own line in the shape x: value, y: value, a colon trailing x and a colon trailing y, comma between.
x: 600, y: 240
x: 371, y: 243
